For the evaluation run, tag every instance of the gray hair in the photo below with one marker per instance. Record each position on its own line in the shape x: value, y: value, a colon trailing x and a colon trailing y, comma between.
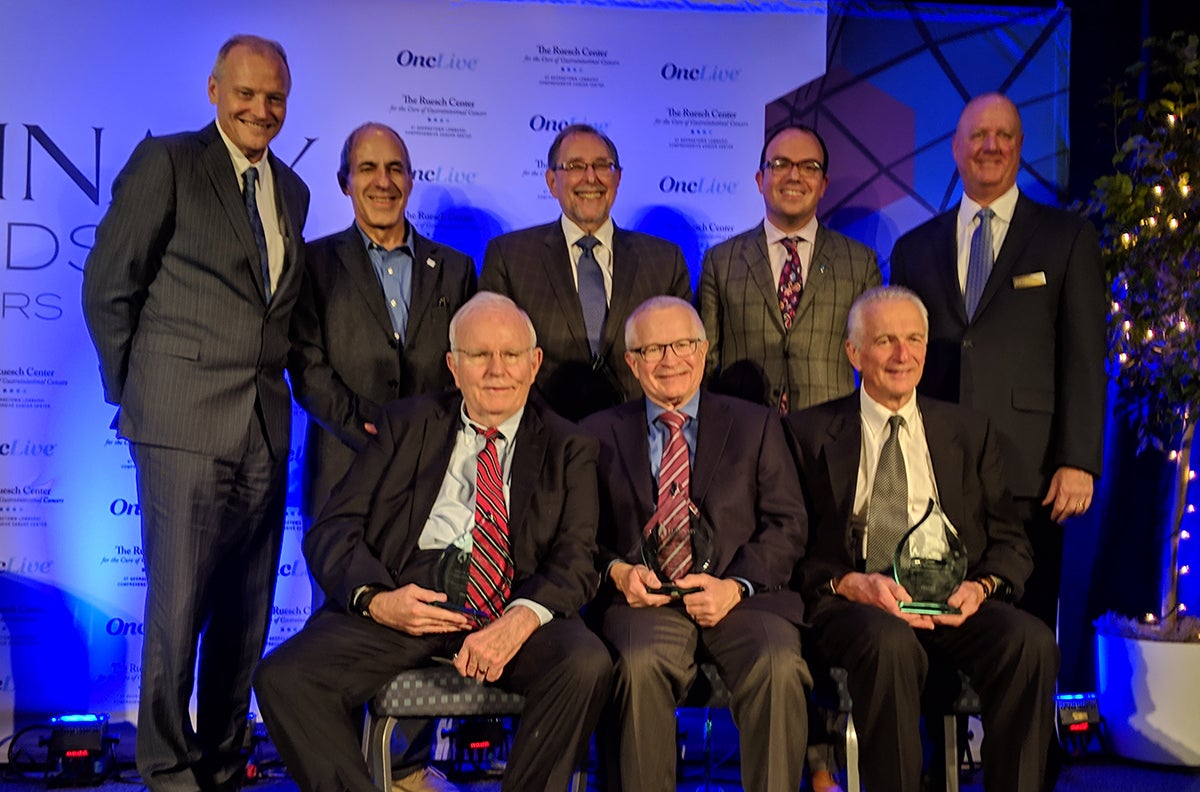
x: 880, y: 294
x: 343, y: 174
x: 660, y: 303
x: 256, y: 44
x: 488, y: 300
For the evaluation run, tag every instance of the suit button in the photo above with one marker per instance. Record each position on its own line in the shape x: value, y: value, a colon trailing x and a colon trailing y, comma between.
x: 393, y: 384
x: 967, y: 343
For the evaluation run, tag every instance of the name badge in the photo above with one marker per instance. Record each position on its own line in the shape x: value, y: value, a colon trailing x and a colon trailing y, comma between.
x: 1030, y: 280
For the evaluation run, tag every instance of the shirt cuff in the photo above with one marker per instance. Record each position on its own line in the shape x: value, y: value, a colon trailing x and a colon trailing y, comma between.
x: 541, y: 611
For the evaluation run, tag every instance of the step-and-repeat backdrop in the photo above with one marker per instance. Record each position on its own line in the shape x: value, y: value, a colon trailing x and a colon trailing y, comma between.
x: 478, y: 90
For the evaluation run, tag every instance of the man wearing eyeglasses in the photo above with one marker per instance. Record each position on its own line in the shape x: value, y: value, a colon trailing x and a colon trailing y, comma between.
x: 774, y: 299
x: 580, y: 276
x: 479, y: 471
x: 699, y: 500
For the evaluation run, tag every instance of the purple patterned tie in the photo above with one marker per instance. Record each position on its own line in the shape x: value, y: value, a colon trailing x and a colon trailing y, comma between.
x: 674, y: 485
x: 490, y: 581
x: 791, y: 285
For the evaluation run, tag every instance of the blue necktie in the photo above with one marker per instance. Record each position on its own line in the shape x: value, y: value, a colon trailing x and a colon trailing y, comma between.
x: 591, y: 292
x: 250, y: 178
x: 979, y: 264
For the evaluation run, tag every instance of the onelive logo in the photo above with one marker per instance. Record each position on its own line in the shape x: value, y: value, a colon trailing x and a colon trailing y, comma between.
x: 708, y: 72
x: 450, y: 61
x: 703, y: 185
x: 118, y: 626
x: 444, y: 174
x: 542, y: 123
x: 26, y: 566
x: 26, y: 448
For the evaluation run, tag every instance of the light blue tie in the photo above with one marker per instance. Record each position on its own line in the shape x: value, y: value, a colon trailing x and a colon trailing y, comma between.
x: 591, y: 292
x: 979, y: 264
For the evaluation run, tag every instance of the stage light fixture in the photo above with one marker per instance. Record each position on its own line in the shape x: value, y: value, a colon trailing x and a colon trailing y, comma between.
x: 79, y: 750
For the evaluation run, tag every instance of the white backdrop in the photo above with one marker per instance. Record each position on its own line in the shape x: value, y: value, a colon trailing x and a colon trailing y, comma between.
x: 477, y: 89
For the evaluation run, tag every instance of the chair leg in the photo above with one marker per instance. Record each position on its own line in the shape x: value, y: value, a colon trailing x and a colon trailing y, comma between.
x: 853, y: 782
x: 950, y: 724
x: 579, y: 780
x: 377, y: 747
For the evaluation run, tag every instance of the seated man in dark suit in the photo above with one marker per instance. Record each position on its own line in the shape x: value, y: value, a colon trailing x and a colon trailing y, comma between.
x: 580, y: 276
x: 495, y: 476
x: 876, y: 458
x: 675, y: 452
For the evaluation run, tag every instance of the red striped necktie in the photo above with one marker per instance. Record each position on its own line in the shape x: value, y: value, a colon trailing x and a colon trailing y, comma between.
x: 490, y: 581
x: 674, y: 486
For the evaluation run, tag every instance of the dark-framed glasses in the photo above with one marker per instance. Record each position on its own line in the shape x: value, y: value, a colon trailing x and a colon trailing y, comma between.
x: 782, y: 166
x: 653, y: 353
x: 601, y: 167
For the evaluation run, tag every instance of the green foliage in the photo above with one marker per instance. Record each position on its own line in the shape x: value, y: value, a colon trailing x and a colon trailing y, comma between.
x: 1148, y: 213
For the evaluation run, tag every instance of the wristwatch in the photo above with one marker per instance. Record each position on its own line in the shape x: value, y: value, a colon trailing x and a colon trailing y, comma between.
x: 993, y: 586
x: 360, y: 600
x: 743, y: 589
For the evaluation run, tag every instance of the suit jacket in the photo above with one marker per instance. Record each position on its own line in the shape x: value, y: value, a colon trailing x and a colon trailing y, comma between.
x: 1032, y: 358
x: 533, y: 267
x: 173, y: 299
x: 826, y: 442
x: 750, y: 355
x: 345, y: 361
x: 742, y: 480
x: 368, y: 530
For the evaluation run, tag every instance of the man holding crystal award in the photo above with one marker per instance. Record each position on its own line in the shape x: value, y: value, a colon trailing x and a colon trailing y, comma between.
x: 701, y: 525
x: 895, y: 487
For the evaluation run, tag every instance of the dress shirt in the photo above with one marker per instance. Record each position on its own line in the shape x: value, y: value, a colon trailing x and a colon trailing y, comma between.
x: 393, y: 268
x: 918, y: 467
x: 602, y: 252
x: 777, y: 253
x: 264, y: 196
x: 1004, y: 206
x: 453, y: 514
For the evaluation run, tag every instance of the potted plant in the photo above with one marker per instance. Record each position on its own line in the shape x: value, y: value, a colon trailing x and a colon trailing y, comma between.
x: 1148, y: 213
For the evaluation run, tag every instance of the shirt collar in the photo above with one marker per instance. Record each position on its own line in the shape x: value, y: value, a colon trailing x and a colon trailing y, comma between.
x: 507, y: 429
x: 1004, y: 206
x: 875, y: 415
x: 574, y: 233
x: 370, y: 243
x: 688, y: 408
x: 241, y: 163
x: 774, y: 234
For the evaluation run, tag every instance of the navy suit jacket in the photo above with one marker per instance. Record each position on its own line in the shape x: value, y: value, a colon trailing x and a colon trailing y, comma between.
x: 533, y: 267
x: 826, y: 442
x: 742, y: 480
x: 1032, y: 358
x: 368, y: 531
x: 345, y: 361
x: 173, y: 299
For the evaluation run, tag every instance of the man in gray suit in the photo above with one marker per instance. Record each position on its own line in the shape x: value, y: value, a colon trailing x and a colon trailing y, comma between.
x: 580, y: 276
x: 188, y: 293
x: 774, y: 299
x: 372, y: 325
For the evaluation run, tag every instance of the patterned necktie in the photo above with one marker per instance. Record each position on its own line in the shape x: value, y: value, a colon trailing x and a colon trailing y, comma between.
x: 791, y: 284
x: 887, y: 513
x: 490, y: 581
x: 250, y: 193
x: 674, y: 486
x: 979, y: 264
x: 591, y: 292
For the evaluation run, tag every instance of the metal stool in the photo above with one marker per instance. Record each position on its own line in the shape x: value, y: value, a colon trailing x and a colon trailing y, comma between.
x: 437, y: 692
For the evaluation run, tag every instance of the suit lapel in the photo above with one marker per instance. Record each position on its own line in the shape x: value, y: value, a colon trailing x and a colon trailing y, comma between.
x: 1020, y: 233
x: 946, y: 456
x: 842, y: 451
x: 817, y: 279
x: 757, y: 260
x: 288, y: 216
x: 354, y: 260
x: 225, y: 185
x: 945, y: 262
x: 426, y: 274
x: 625, y: 271
x: 529, y: 454
x: 556, y: 266
x: 433, y: 459
x: 631, y: 439
x: 714, y: 426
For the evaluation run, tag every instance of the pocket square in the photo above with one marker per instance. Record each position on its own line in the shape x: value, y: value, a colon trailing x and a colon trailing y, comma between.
x: 1030, y: 280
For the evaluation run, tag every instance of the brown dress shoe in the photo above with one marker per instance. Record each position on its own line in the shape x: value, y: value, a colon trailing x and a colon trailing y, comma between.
x: 823, y: 781
x: 425, y: 779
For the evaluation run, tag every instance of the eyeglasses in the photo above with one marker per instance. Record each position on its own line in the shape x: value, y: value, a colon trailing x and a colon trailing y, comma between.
x: 653, y: 353
x: 509, y: 357
x: 782, y: 166
x: 578, y: 167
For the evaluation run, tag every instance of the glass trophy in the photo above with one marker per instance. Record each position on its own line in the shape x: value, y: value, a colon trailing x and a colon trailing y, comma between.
x: 656, y: 536
x: 930, y: 563
x: 452, y: 573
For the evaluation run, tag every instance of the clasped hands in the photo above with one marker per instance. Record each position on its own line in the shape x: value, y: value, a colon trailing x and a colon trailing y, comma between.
x: 884, y: 593
x: 707, y: 607
x: 484, y: 653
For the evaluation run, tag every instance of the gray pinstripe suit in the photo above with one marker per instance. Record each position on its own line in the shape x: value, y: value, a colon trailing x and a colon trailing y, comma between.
x: 193, y: 355
x: 750, y: 355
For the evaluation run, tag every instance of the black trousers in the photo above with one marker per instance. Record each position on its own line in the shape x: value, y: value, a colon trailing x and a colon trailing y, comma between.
x: 311, y: 690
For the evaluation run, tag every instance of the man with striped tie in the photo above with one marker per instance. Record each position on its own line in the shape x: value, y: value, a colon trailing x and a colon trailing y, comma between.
x: 483, y: 473
x: 701, y: 524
